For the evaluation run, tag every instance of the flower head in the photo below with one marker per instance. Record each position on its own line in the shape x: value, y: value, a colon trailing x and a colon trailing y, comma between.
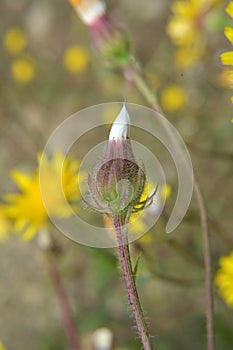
x: 76, y: 59
x: 224, y: 279
x: 23, y: 70
x: 118, y: 182
x: 26, y: 207
x: 185, y: 28
x: 14, y: 40
x: 173, y: 98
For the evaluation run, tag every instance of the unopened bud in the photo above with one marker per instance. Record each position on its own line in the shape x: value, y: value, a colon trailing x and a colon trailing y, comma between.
x: 119, y: 181
x: 109, y: 40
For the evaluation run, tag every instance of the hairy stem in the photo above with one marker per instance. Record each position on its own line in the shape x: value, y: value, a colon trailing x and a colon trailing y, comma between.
x: 67, y: 317
x: 129, y: 279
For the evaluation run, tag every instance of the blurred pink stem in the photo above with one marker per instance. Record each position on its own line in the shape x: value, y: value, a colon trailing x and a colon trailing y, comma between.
x: 68, y: 320
x: 129, y: 279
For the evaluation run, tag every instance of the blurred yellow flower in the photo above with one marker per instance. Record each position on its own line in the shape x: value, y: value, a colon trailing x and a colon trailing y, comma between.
x: 227, y: 57
x: 185, y: 28
x: 173, y: 98
x: 26, y: 208
x: 229, y: 9
x: 228, y: 31
x: 2, y: 347
x: 76, y: 59
x: 4, y: 227
x: 224, y: 279
x: 14, y: 40
x: 23, y: 70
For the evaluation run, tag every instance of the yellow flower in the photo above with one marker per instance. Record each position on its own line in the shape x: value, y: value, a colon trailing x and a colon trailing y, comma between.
x: 228, y: 31
x: 26, y: 208
x: 23, y: 70
x: 2, y: 347
x: 224, y: 279
x: 185, y: 27
x: 229, y: 9
x: 173, y: 98
x: 4, y: 227
x: 227, y: 57
x: 14, y: 40
x: 76, y: 59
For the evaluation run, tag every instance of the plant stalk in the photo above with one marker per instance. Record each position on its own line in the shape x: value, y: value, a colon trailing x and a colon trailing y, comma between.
x: 68, y: 321
x: 129, y: 278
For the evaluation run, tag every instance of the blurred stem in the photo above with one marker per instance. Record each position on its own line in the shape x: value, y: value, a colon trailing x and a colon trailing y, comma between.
x: 145, y: 90
x: 134, y: 76
x: 68, y: 321
x: 208, y: 272
x: 129, y: 278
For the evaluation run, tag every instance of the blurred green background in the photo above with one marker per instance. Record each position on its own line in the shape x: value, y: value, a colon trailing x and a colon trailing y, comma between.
x: 48, y: 72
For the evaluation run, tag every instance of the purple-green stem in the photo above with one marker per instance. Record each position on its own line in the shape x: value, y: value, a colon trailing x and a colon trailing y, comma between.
x: 68, y: 321
x: 129, y: 278
x: 134, y: 76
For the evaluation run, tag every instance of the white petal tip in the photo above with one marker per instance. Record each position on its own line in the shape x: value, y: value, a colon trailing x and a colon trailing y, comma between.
x: 121, y: 125
x: 91, y: 11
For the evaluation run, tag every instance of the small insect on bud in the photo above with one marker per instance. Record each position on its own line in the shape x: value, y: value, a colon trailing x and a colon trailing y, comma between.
x: 118, y: 182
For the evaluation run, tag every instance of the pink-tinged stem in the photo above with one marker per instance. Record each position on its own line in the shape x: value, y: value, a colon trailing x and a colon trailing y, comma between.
x: 129, y: 279
x: 67, y: 317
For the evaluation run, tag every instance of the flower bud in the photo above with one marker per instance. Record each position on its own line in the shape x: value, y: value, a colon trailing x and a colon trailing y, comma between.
x: 109, y: 40
x: 119, y: 181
